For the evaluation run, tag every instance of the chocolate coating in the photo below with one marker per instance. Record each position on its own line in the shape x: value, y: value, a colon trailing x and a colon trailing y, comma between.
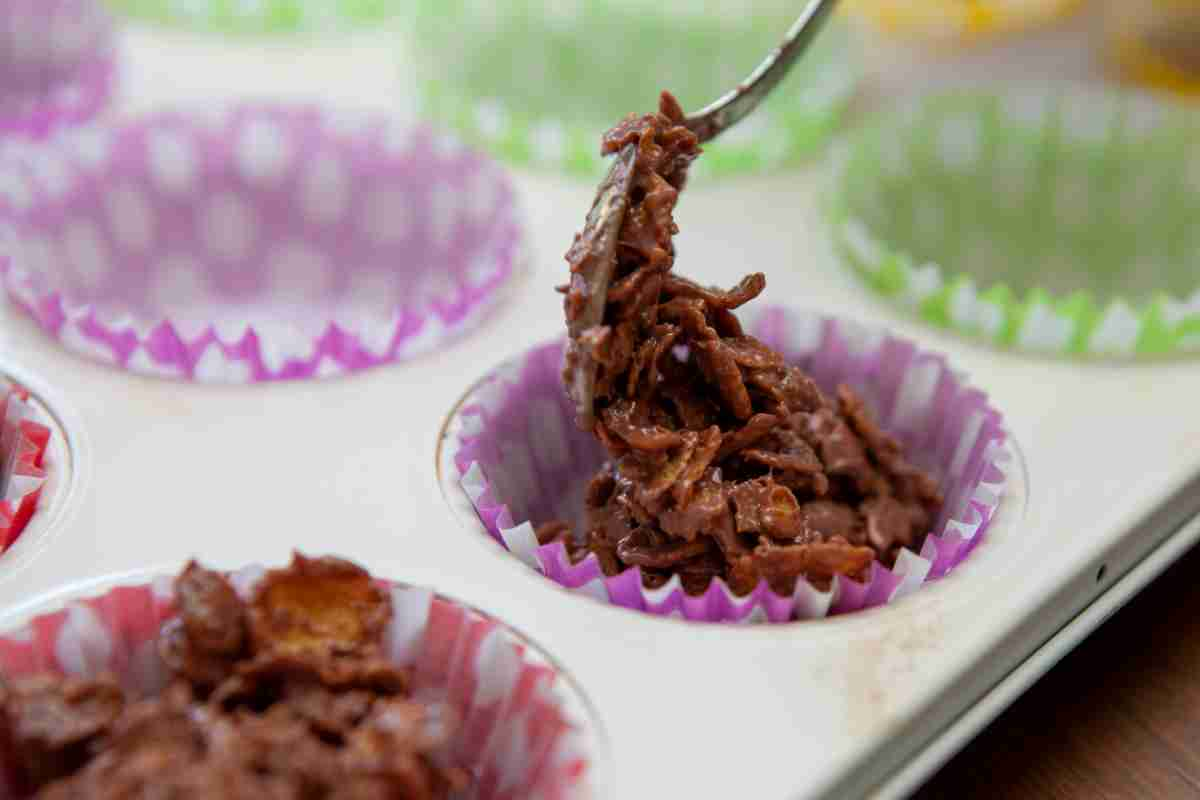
x: 724, y: 461
x: 286, y: 697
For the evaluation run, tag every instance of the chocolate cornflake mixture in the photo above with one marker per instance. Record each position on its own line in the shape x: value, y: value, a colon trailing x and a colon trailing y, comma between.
x: 725, y: 462
x: 288, y: 696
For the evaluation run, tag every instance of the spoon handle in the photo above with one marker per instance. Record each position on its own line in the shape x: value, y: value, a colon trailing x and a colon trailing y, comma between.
x: 735, y: 104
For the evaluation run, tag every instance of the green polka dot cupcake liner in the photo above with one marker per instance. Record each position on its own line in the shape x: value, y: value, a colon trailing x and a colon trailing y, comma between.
x: 261, y: 16
x: 1056, y: 222
x: 536, y: 82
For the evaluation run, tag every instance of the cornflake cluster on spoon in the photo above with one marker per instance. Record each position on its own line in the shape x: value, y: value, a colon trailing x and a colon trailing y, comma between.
x: 725, y: 462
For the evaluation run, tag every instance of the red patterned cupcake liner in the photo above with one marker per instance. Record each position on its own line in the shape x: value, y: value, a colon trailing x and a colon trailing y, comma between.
x: 520, y: 734
x: 23, y: 444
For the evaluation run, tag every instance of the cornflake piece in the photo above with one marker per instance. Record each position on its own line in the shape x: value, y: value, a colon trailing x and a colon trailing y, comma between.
x: 212, y: 612
x: 210, y: 633
x: 322, y: 605
x: 48, y: 724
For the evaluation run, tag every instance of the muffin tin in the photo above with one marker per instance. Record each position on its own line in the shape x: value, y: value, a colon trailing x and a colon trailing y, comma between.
x: 1102, y: 456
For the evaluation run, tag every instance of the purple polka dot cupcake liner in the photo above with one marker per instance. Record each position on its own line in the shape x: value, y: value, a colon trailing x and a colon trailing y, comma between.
x: 256, y: 242
x: 57, y: 64
x: 522, y: 461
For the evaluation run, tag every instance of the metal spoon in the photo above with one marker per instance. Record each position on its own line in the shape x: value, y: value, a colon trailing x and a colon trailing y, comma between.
x: 599, y: 236
x: 729, y: 109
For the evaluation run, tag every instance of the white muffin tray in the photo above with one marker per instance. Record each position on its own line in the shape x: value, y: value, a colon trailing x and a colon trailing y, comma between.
x: 155, y: 472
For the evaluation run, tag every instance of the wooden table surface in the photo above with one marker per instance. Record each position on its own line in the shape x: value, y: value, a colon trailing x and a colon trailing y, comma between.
x: 1117, y: 718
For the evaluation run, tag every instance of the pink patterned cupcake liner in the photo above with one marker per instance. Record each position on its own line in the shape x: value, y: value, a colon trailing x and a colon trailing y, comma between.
x: 56, y: 64
x: 23, y: 444
x: 520, y: 735
x: 256, y: 243
x: 522, y: 461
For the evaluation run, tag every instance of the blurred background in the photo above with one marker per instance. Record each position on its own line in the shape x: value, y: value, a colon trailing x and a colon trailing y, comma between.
x: 526, y: 75
x: 535, y: 80
x: 1021, y: 171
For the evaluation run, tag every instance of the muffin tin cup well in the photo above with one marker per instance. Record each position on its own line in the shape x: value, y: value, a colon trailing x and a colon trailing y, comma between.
x: 256, y: 242
x: 24, y: 440
x: 261, y: 16
x: 56, y: 64
x: 522, y: 462
x: 1045, y: 221
x: 536, y: 82
x: 520, y: 727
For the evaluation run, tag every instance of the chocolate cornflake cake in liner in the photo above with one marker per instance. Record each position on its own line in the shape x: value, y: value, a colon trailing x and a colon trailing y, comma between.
x: 57, y: 64
x: 689, y: 460
x: 314, y: 680
x: 1055, y: 221
x: 254, y: 242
